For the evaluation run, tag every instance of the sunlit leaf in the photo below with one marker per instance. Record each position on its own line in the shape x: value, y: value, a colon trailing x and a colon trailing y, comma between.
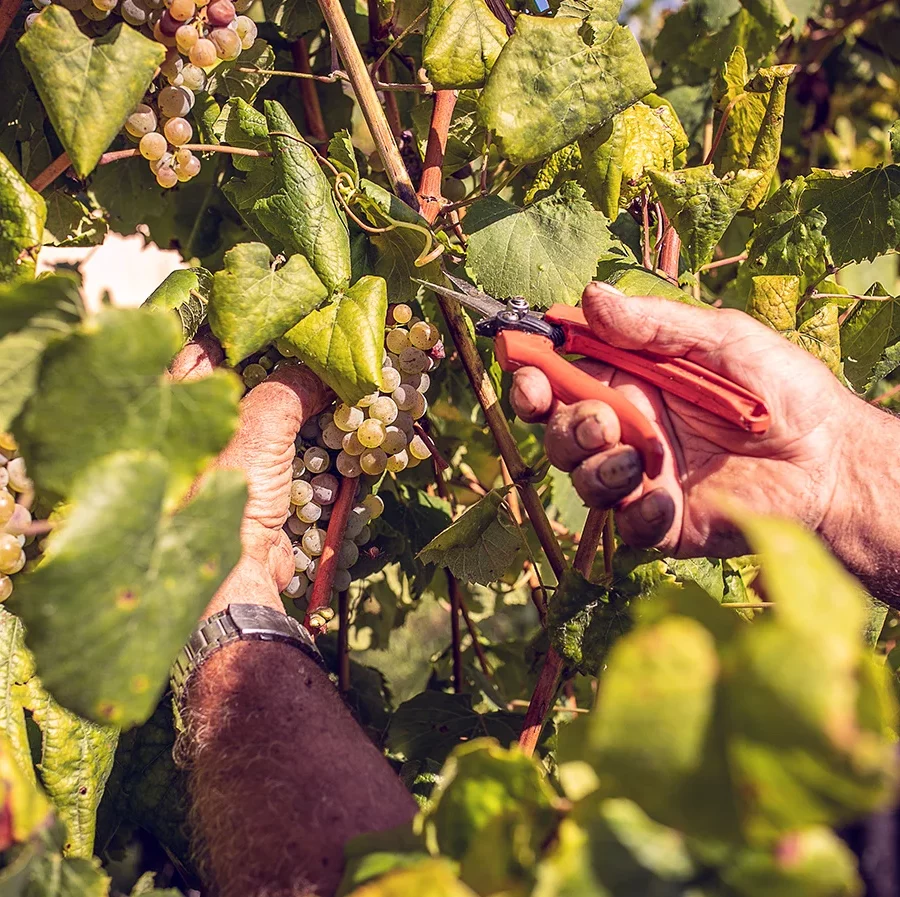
x: 185, y: 292
x: 22, y: 217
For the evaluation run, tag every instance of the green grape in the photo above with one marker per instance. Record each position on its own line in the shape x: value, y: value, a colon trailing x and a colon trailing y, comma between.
x: 166, y: 177
x: 397, y: 340
x: 142, y: 121
x: 413, y: 361
x: 358, y: 518
x: 176, y: 102
x: 172, y: 66
x: 226, y: 41
x: 423, y: 335
x: 405, y: 396
x: 203, y: 53
x: 398, y: 461
x: 373, y: 461
x: 18, y: 476
x: 153, y: 145
x: 366, y: 401
x: 193, y: 77
x: 298, y: 468
x: 7, y: 506
x: 246, y: 29
x: 351, y: 444
x: 332, y: 437
x: 421, y: 406
x: 187, y: 165
x: 9, y: 552
x: 301, y: 492
x: 309, y: 513
x: 395, y: 440
x: 313, y: 541
x: 384, y: 408
x: 325, y: 488
x: 341, y: 580
x: 6, y: 587
x: 348, y: 554
x: 348, y: 465
x: 253, y: 375
x: 390, y: 379
x: 178, y: 131
x: 402, y: 313
x: 371, y: 434
x: 364, y: 535
x: 316, y: 459
x: 418, y: 448
x: 94, y: 13
x: 348, y: 417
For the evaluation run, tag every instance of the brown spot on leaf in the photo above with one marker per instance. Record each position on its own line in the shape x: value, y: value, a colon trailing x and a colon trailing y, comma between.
x: 209, y: 568
x: 127, y: 600
x: 140, y: 684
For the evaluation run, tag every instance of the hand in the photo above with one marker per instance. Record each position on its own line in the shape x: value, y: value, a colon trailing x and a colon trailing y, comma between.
x: 794, y: 470
x: 263, y: 449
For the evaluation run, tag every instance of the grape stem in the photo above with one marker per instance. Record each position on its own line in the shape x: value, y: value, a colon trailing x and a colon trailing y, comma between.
x: 334, y: 536
x: 8, y: 11
x: 591, y: 536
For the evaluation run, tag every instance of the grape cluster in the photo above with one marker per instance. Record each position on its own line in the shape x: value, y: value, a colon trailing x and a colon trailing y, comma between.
x: 196, y: 34
x: 379, y: 433
x: 14, y: 516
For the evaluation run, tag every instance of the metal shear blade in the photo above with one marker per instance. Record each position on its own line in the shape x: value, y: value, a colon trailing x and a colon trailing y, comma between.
x: 467, y: 295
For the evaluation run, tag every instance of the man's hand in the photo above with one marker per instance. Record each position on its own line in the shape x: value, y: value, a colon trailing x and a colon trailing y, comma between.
x: 263, y: 449
x: 799, y: 469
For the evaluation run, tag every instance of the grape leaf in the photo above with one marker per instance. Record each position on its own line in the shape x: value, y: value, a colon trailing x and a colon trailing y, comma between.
x: 72, y: 222
x: 343, y: 342
x: 566, y: 502
x: 752, y: 136
x: 23, y: 213
x: 635, y: 280
x: 342, y: 155
x: 245, y: 76
x: 186, y: 292
x: 40, y: 870
x: 290, y: 197
x: 462, y: 41
x: 88, y: 86
x: 480, y: 545
x: 555, y: 170
x: 104, y: 388
x: 861, y: 209
x: 432, y: 723
x: 868, y: 330
x: 293, y: 17
x: 557, y: 79
x: 895, y: 141
x: 254, y: 301
x: 701, y: 205
x: 616, y: 157
x: 426, y: 878
x: 16, y: 668
x: 76, y: 759
x: 546, y: 252
x: 146, y: 589
x: 23, y: 808
x: 583, y: 621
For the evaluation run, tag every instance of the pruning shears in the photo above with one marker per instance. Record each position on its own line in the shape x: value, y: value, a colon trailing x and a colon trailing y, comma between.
x: 525, y: 337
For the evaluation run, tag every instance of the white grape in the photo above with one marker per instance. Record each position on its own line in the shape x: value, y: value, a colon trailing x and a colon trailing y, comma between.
x: 193, y: 77
x: 312, y: 570
x: 296, y: 588
x: 296, y: 526
x: 384, y: 409
x: 18, y: 476
x: 424, y: 336
x: 374, y: 505
x: 348, y: 465
x: 141, y: 121
x: 19, y: 520
x: 413, y: 361
x: 398, y: 461
x: 348, y: 554
x: 227, y: 42
x: 418, y: 448
x: 178, y: 131
x: 325, y: 419
x: 397, y: 340
x: 7, y: 506
x: 187, y: 165
x: 371, y: 434
x: 351, y: 444
x: 9, y: 552
x: 342, y: 580
x: 355, y: 523
x: 395, y: 440
x: 313, y: 541
x: 153, y: 145
x: 301, y: 492
x: 348, y: 417
x: 166, y: 160
x: 405, y: 422
x: 5, y: 587
x: 175, y: 102
x: 390, y: 379
x: 298, y: 468
x: 364, y: 535
x: 325, y: 488
x: 317, y: 460
x: 166, y: 177
x: 402, y: 313
x: 246, y: 30
x: 310, y: 430
x: 367, y: 400
x: 310, y: 512
x: 332, y: 436
x: 373, y: 461
x: 203, y: 53
x: 326, y: 513
x: 421, y: 406
x: 253, y: 375
x: 301, y: 558
x: 405, y: 396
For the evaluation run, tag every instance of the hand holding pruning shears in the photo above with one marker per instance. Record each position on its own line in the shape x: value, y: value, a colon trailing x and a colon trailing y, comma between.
x: 741, y: 413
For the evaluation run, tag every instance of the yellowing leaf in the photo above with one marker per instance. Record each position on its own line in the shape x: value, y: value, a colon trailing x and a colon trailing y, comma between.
x: 88, y: 86
x: 462, y: 41
x: 343, y: 342
x: 701, y: 205
x: 23, y: 808
x: 254, y: 301
x: 558, y: 79
x: 480, y: 546
x: 22, y: 217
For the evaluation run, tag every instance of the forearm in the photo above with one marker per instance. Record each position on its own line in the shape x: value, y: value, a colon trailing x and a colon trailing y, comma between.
x: 863, y: 526
x: 281, y: 775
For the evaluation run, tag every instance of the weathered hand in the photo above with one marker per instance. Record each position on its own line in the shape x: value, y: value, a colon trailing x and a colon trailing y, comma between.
x: 263, y: 449
x: 793, y: 470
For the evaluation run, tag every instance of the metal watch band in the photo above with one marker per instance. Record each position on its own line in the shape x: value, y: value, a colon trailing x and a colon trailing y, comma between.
x: 238, y: 622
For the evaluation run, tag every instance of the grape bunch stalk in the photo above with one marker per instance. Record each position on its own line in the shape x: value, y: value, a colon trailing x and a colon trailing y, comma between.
x: 15, y: 518
x: 379, y: 435
x: 197, y: 34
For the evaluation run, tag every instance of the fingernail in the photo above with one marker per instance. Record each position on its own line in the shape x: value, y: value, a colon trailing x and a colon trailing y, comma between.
x: 652, y: 508
x: 605, y: 288
x: 619, y: 471
x: 590, y: 434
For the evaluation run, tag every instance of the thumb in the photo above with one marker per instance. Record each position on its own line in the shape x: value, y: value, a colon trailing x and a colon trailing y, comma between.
x: 661, y: 325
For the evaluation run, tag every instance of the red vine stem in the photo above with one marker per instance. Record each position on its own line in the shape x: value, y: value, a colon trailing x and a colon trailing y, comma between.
x: 541, y: 701
x: 430, y: 186
x: 590, y: 541
x: 334, y: 536
x: 721, y: 263
x: 312, y: 109
x: 670, y: 249
x: 720, y: 131
x: 455, y: 609
x: 8, y: 11
x: 501, y: 11
x: 473, y: 634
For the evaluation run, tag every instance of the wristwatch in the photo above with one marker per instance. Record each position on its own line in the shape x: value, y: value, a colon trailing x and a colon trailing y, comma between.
x: 248, y: 622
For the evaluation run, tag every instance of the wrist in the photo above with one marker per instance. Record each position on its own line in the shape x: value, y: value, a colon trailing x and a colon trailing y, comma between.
x: 250, y: 582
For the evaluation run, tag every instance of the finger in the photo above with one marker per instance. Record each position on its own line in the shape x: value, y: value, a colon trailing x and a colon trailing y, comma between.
x: 605, y: 479
x: 575, y: 432
x: 198, y: 359
x: 531, y: 395
x: 646, y: 521
x: 287, y: 398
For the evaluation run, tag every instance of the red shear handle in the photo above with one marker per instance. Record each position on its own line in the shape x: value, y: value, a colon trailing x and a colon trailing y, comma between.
x: 678, y: 376
x: 515, y: 349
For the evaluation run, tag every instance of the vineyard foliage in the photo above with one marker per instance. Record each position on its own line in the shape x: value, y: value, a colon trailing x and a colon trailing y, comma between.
x: 717, y: 720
